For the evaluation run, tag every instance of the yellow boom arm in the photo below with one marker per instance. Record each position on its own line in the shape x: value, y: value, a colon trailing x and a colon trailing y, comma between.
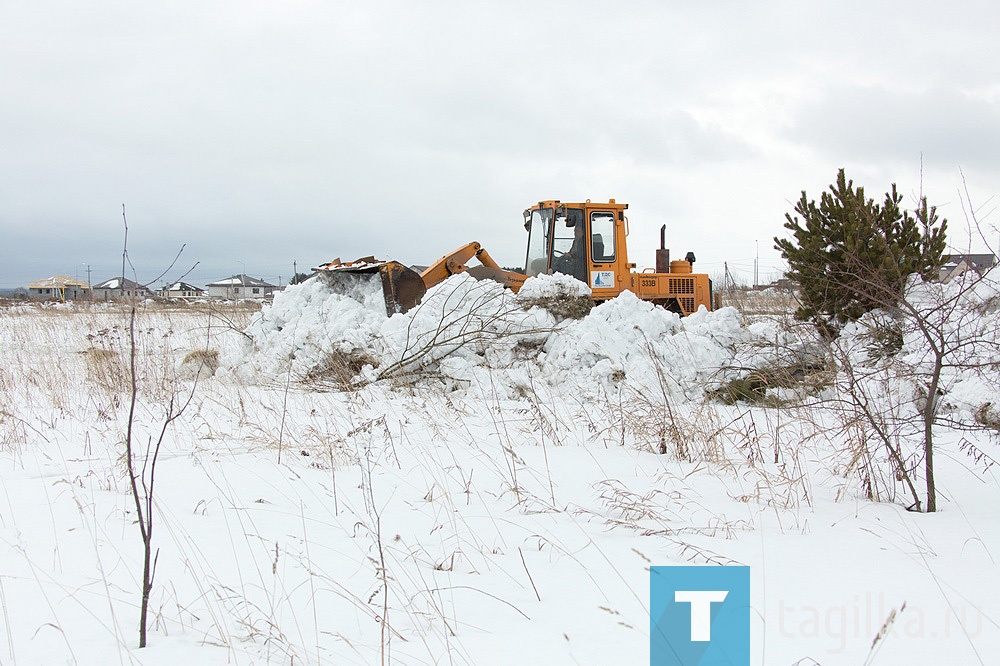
x: 455, y: 262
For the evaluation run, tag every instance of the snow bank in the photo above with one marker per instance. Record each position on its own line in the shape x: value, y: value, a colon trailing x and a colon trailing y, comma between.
x: 465, y: 327
x: 464, y: 320
x: 305, y: 324
x: 631, y: 340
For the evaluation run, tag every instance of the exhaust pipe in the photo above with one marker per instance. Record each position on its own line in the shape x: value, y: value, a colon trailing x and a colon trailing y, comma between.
x: 663, y: 254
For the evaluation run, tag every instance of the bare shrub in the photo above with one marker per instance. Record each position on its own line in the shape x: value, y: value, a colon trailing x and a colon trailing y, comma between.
x: 876, y: 457
x: 934, y: 339
x: 469, y: 319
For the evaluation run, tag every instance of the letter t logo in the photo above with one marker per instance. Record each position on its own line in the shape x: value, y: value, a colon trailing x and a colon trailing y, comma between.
x: 701, y: 610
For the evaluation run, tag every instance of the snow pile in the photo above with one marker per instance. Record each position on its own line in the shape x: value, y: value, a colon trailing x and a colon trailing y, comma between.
x: 461, y: 322
x: 305, y: 324
x: 465, y: 327
x: 633, y: 341
x: 952, y: 324
x: 309, y: 322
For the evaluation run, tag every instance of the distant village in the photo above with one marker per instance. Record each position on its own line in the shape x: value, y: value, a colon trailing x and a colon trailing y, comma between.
x: 64, y: 288
x: 245, y: 287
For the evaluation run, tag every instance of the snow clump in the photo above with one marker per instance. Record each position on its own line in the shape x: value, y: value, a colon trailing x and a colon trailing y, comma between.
x: 563, y: 296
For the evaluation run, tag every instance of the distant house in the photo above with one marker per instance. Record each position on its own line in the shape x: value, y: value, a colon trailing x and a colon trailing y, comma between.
x: 60, y: 288
x: 784, y: 283
x: 240, y: 286
x: 120, y: 288
x: 181, y: 290
x: 956, y: 264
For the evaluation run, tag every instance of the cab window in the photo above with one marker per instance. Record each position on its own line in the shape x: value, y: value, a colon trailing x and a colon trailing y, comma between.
x: 602, y: 237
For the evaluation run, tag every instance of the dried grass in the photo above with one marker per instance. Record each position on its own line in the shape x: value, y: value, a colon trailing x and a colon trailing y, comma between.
x: 758, y: 302
x: 339, y: 371
x: 201, y: 363
x: 561, y: 306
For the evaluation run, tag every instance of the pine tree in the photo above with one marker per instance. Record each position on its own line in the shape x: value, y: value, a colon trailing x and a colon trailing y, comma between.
x: 851, y: 255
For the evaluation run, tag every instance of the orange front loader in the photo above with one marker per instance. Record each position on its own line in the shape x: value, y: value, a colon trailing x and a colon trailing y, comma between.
x: 584, y: 240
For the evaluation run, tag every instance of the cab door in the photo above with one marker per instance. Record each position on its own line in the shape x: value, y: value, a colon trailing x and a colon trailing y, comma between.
x: 604, y: 253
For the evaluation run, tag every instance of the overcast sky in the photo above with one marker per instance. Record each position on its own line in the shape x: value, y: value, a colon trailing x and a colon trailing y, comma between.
x: 258, y: 134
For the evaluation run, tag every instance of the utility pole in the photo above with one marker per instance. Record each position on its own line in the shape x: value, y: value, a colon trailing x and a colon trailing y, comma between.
x: 756, y: 263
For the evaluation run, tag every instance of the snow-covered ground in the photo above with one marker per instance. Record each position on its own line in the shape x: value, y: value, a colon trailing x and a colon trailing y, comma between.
x: 475, y: 482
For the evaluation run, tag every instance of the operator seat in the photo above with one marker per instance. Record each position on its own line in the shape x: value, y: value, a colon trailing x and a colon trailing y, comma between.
x: 597, y: 248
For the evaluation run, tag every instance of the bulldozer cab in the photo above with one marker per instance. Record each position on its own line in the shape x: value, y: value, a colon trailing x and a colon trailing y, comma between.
x: 583, y: 240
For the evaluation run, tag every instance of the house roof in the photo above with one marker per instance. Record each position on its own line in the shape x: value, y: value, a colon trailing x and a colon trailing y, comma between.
x: 119, y: 283
x: 978, y: 260
x: 241, y: 280
x: 182, y: 286
x: 58, y: 282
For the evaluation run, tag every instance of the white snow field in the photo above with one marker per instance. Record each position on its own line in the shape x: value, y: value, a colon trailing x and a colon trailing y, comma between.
x: 478, y: 481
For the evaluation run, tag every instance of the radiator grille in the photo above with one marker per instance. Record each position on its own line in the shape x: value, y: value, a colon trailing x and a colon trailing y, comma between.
x: 681, y: 285
x: 687, y: 303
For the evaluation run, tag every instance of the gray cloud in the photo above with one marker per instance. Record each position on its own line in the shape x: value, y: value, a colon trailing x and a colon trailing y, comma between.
x: 298, y: 132
x: 946, y: 125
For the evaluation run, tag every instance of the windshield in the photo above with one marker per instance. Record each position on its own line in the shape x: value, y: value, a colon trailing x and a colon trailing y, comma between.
x: 539, y: 228
x: 569, y: 248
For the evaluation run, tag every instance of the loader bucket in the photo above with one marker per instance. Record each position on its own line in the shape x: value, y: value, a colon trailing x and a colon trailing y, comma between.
x: 401, y: 287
